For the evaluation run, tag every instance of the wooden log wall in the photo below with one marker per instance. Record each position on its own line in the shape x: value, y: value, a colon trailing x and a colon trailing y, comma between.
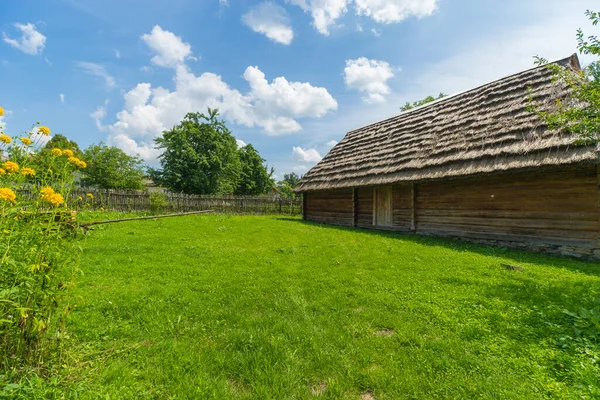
x: 333, y: 207
x: 555, y: 210
x: 556, y: 207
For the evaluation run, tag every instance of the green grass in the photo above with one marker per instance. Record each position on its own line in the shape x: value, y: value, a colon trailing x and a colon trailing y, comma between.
x: 243, y: 307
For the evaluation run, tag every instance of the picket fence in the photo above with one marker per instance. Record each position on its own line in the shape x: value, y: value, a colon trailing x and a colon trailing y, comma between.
x: 125, y: 200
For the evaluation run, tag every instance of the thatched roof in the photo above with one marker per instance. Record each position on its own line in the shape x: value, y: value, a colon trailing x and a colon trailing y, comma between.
x: 482, y: 130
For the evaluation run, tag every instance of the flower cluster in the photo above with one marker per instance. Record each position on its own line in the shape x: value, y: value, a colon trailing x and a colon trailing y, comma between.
x: 48, y: 195
x: 10, y: 167
x: 7, y: 194
x: 76, y: 161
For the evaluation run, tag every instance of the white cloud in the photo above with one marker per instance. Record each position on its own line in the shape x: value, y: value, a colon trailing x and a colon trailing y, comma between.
x: 391, y: 11
x: 331, y: 143
x: 271, y: 20
x: 369, y: 77
x: 62, y: 98
x: 309, y: 156
x: 275, y: 106
x: 117, y: 53
x: 279, y: 103
x: 31, y: 41
x: 323, y: 12
x: 39, y: 139
x: 376, y: 32
x: 300, y: 169
x: 240, y: 143
x: 97, y: 70
x: 170, y: 50
x: 99, y: 114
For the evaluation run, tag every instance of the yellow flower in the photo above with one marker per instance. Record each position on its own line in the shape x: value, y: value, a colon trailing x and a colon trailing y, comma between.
x: 101, y: 208
x: 48, y: 195
x: 10, y: 166
x: 26, y: 141
x: 44, y: 130
x: 5, y: 138
x: 77, y: 162
x: 80, y: 198
x: 67, y: 152
x: 57, y: 152
x: 2, y: 171
x: 1, y: 111
x: 7, y: 194
x: 89, y: 196
x: 27, y: 172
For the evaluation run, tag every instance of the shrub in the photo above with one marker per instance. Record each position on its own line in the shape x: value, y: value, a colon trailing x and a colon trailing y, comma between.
x: 158, y: 202
x: 37, y: 258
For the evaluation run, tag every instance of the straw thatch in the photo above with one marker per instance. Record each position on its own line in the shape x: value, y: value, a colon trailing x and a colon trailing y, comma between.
x: 484, y: 130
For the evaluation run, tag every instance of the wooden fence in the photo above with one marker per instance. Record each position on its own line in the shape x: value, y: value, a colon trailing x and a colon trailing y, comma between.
x: 124, y: 200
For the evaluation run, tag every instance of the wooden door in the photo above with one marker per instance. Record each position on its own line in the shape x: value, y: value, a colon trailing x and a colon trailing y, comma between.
x: 382, y: 206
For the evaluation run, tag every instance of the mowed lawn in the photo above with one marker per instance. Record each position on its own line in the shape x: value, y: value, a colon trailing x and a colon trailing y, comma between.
x: 250, y: 307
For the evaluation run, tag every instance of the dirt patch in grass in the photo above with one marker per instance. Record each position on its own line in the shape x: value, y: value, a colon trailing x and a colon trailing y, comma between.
x: 319, y: 389
x: 384, y: 332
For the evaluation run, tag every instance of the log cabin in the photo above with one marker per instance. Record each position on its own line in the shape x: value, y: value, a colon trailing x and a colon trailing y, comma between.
x: 478, y: 166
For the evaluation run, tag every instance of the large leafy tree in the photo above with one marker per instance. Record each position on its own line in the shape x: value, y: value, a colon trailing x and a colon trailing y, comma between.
x: 255, y: 178
x: 111, y: 168
x: 200, y: 156
x: 287, y: 184
x: 581, y: 114
x: 62, y: 142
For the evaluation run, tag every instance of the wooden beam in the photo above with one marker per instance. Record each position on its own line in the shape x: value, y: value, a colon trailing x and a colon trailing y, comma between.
x: 413, y: 207
x: 304, y: 197
x: 354, y: 206
x: 374, y: 206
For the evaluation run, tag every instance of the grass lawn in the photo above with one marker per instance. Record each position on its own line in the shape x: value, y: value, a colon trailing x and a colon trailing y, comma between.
x: 244, y: 307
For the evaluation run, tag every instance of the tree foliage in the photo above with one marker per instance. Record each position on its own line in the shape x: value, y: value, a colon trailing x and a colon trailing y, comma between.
x: 286, y: 186
x: 200, y: 156
x: 59, y: 141
x: 415, y: 104
x: 254, y: 177
x: 580, y: 115
x: 111, y: 168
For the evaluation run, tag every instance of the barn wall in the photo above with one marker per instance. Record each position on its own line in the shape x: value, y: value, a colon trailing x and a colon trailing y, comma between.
x: 553, y: 210
x: 402, y: 207
x: 364, y: 207
x: 333, y: 207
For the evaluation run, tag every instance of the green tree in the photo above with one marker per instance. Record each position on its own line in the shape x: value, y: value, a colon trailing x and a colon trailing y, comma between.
x: 254, y: 175
x: 428, y: 99
x: 287, y: 184
x: 200, y: 156
x: 581, y: 114
x: 62, y: 142
x: 109, y: 167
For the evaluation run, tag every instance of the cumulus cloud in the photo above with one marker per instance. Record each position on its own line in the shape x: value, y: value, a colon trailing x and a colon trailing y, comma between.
x: 369, y: 77
x: 170, y: 50
x: 99, y: 114
x: 31, y: 41
x: 309, y: 156
x: 97, y: 70
x: 391, y: 11
x: 331, y: 143
x: 271, y: 20
x: 323, y: 12
x: 275, y: 106
x: 240, y: 143
x: 62, y: 98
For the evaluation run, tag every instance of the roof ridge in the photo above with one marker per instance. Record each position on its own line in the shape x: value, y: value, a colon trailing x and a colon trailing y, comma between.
x: 572, y: 61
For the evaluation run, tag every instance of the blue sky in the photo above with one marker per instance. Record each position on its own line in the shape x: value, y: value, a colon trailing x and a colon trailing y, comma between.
x: 291, y: 77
